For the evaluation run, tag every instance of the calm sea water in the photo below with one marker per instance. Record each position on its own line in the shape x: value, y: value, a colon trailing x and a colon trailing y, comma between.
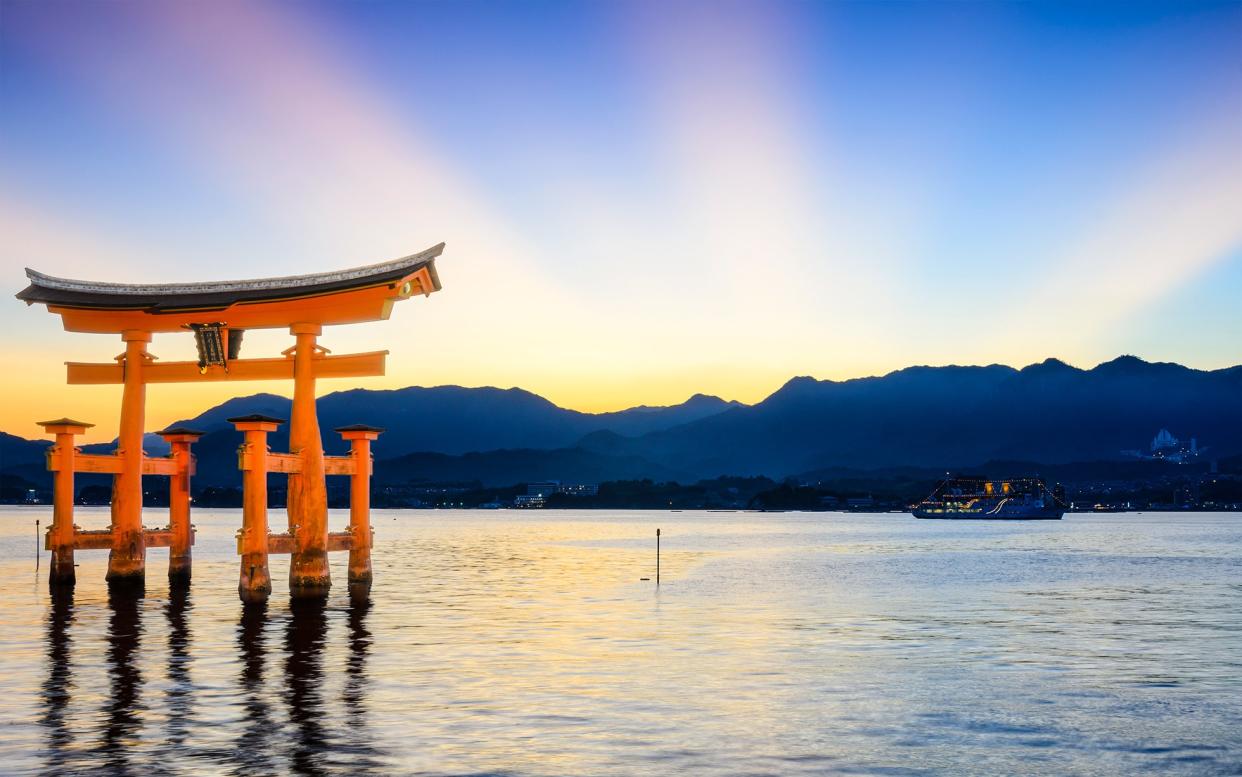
x: 525, y: 643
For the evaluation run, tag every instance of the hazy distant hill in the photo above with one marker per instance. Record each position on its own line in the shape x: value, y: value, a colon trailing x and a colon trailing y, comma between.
x: 15, y: 451
x: 521, y: 433
x: 450, y: 421
x: 22, y: 462
x: 937, y: 417
x: 952, y: 417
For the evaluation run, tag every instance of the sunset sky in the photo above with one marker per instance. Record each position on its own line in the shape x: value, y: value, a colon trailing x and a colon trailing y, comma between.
x: 640, y: 200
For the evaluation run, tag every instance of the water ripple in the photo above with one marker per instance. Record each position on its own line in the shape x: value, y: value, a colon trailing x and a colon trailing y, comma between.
x: 526, y: 644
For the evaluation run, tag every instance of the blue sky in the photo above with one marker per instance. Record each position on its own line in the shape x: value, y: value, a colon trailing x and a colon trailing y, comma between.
x: 642, y: 200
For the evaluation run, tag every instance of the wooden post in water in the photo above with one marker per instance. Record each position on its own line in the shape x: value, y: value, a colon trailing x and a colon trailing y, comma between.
x: 255, y: 584
x: 127, y: 561
x: 307, y: 501
x: 179, y: 555
x: 657, y: 556
x: 360, y: 437
x: 60, y: 536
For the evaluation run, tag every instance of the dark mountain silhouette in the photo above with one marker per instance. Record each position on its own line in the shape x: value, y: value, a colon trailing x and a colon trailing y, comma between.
x: 217, y: 417
x: 521, y: 434
x: 926, y: 417
x: 950, y: 417
x: 22, y: 462
x: 455, y: 420
x: 16, y: 451
x: 446, y: 420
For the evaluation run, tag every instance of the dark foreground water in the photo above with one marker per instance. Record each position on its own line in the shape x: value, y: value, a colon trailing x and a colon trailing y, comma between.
x: 524, y: 643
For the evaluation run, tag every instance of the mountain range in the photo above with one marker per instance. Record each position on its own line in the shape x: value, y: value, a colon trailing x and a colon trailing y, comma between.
x: 945, y: 417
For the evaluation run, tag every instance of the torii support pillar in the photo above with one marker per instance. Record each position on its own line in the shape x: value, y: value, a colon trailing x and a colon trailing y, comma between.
x: 127, y: 561
x: 255, y: 585
x: 179, y: 555
x: 60, y: 537
x: 307, y: 501
x: 360, y: 438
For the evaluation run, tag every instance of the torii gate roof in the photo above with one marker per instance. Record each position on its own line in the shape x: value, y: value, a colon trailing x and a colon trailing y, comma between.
x: 345, y: 296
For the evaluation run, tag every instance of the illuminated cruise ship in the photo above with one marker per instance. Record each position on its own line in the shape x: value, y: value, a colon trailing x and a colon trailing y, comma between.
x: 984, y: 499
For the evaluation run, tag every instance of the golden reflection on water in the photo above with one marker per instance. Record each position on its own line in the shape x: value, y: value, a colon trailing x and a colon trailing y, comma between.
x: 527, y: 644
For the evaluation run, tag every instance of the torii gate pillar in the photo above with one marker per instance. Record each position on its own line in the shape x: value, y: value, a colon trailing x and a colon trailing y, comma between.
x: 127, y: 561
x: 60, y: 537
x: 307, y: 503
x: 360, y: 438
x: 179, y: 440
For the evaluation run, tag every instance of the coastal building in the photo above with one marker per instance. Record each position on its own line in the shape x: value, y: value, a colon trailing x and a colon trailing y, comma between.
x: 1167, y: 447
x: 537, y: 494
x: 1163, y: 441
x: 543, y: 490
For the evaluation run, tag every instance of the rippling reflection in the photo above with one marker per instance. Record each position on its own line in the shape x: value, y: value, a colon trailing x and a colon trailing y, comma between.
x: 304, y: 641
x: 777, y: 644
x: 180, y: 696
x: 122, y: 720
x: 254, y: 745
x: 56, y: 688
x: 358, y: 686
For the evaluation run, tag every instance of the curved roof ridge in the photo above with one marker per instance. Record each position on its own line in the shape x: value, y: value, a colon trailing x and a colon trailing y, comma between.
x: 210, y: 287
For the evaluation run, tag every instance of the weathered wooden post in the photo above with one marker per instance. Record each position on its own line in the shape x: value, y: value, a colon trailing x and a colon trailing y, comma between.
x: 360, y: 437
x: 60, y: 535
x: 255, y: 584
x: 307, y: 503
x: 180, y: 439
x: 127, y: 560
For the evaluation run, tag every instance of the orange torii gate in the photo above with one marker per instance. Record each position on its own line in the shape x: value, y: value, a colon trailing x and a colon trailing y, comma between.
x: 218, y: 313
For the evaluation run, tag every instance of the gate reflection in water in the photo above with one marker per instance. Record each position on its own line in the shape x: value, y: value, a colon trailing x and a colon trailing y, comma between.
x: 264, y: 746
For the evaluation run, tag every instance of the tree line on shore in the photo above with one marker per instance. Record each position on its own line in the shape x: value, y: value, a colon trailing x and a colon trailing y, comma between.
x: 1160, y: 486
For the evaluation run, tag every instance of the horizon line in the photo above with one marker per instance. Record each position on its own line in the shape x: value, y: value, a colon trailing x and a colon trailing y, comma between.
x: 705, y: 394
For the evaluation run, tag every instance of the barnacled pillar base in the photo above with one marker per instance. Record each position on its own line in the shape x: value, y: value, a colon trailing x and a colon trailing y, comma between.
x: 309, y: 577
